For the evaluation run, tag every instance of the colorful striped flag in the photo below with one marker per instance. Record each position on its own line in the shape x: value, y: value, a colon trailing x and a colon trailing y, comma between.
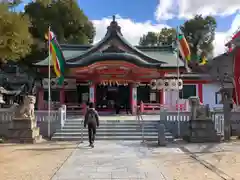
x: 56, y: 56
x: 184, y: 47
x: 203, y: 60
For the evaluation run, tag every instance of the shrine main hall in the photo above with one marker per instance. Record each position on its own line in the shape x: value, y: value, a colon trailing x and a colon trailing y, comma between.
x: 114, y: 71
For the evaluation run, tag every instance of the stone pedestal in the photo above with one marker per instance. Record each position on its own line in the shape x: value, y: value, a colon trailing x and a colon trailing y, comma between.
x: 161, y: 135
x: 201, y: 131
x: 24, y: 131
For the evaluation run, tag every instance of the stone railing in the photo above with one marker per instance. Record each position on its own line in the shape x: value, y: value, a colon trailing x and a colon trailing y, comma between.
x: 173, y: 123
x: 173, y: 116
x: 56, y: 121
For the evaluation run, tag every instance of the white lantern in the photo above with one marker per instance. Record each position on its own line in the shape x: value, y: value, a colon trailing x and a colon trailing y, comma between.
x: 153, y: 84
x: 180, y: 84
x: 173, y: 84
x: 160, y: 84
x: 166, y: 84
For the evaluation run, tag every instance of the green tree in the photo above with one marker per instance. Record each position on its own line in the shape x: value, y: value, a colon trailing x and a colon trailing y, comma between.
x: 200, y: 33
x: 66, y: 19
x: 150, y: 39
x: 11, y: 3
x: 165, y: 37
x: 15, y: 39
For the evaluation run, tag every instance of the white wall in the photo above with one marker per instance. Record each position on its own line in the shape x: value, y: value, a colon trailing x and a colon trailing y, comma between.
x: 209, y: 91
x: 170, y: 97
x: 209, y: 95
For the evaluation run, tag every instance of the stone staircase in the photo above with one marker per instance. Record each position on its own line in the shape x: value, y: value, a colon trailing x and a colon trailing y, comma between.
x: 110, y: 130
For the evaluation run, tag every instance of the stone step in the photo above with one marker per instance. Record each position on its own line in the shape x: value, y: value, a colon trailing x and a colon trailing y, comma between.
x: 112, y: 125
x: 85, y: 138
x: 107, y: 130
x: 116, y: 121
x: 113, y: 128
x: 107, y: 133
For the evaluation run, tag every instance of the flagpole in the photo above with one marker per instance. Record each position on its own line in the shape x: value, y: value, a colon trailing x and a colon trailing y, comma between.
x: 178, y: 82
x: 49, y: 82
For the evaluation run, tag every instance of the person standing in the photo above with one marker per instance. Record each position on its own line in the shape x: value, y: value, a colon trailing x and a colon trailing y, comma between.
x: 92, y: 121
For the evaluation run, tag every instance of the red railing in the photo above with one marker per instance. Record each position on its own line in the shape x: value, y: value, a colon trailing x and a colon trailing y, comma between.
x: 156, y: 107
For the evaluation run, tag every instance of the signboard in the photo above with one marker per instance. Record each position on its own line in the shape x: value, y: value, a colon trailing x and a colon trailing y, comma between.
x: 67, y: 84
x: 134, y: 99
x: 91, y: 94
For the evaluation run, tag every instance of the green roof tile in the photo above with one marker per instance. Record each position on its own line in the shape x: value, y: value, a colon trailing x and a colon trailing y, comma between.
x: 165, y: 56
x: 68, y: 54
x: 169, y: 57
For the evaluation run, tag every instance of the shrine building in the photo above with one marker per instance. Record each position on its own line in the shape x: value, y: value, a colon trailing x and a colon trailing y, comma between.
x: 114, y: 71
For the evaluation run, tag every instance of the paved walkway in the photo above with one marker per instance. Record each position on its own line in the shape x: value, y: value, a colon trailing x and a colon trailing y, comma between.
x: 112, y: 160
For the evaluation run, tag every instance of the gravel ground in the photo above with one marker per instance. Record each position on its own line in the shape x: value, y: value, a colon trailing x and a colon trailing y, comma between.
x: 33, y: 162
x: 223, y: 159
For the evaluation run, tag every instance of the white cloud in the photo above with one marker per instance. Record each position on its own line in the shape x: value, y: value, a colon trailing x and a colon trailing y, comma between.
x: 167, y: 9
x: 132, y: 31
x: 222, y: 37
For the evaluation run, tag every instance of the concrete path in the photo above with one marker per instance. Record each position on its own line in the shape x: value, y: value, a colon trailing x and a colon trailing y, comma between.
x: 112, y: 160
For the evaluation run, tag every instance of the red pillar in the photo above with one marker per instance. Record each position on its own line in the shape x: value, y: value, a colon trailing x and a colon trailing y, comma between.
x: 200, y: 92
x: 40, y: 98
x: 62, y: 96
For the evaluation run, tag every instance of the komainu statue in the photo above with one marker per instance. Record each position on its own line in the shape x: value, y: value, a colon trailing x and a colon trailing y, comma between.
x: 26, y: 109
x: 201, y: 111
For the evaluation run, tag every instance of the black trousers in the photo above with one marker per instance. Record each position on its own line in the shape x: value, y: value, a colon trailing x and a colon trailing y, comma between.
x: 127, y: 109
x: 91, y: 132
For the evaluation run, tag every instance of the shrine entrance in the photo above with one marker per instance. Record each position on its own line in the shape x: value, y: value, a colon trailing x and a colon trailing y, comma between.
x: 110, y: 97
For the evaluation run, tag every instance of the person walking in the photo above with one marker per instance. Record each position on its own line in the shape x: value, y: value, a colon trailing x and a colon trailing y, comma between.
x: 92, y: 121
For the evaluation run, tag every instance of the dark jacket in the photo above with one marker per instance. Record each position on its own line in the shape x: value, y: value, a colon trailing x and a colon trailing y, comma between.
x: 91, y: 117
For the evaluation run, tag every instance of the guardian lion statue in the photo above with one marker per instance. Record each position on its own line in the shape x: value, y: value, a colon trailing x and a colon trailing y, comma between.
x: 26, y: 109
x: 201, y: 111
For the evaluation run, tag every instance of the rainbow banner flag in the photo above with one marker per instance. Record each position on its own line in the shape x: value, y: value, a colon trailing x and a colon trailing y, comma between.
x: 203, y: 60
x: 56, y: 55
x: 184, y: 47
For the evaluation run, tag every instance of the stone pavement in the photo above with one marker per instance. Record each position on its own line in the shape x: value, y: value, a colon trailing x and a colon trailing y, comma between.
x: 113, y: 160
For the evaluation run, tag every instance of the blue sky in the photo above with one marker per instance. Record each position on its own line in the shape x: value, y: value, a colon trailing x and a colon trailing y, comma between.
x: 137, y: 10
x: 137, y: 17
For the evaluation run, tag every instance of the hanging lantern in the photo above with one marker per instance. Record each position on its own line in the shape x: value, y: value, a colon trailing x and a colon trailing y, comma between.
x: 180, y: 84
x: 160, y: 84
x: 166, y: 84
x: 173, y: 84
x: 153, y: 84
